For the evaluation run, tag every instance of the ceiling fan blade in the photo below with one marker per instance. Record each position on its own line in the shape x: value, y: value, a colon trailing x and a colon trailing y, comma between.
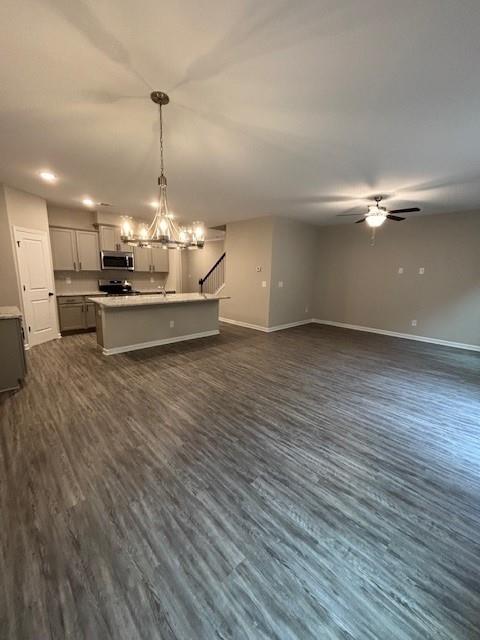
x: 411, y: 210
x: 340, y: 215
x: 362, y: 220
x: 396, y: 218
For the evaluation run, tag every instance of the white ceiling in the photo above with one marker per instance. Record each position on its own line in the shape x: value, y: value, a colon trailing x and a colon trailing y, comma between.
x: 298, y: 107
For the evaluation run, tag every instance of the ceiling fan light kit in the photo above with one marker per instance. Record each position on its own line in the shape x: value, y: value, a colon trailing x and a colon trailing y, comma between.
x: 377, y: 214
x: 163, y: 231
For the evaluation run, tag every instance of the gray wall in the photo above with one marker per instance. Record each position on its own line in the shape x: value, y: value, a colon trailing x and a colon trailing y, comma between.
x: 9, y: 291
x: 359, y: 284
x: 197, y: 263
x: 248, y: 245
x: 71, y: 218
x: 294, y: 253
x: 20, y: 209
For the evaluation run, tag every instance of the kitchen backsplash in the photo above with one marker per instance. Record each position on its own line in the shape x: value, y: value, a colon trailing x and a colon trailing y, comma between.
x: 66, y: 281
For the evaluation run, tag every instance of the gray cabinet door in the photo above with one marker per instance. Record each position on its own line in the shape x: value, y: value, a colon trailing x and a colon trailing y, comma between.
x: 64, y: 250
x: 88, y: 251
x: 90, y: 315
x: 13, y: 367
x: 160, y: 259
x: 72, y: 316
x: 108, y: 239
x: 143, y: 258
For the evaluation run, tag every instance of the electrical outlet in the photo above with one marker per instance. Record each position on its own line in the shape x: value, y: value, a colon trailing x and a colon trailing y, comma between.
x: 152, y: 279
x: 68, y: 280
x: 172, y: 324
x: 280, y: 284
x: 264, y: 284
x: 400, y: 270
x: 414, y: 323
x: 421, y: 271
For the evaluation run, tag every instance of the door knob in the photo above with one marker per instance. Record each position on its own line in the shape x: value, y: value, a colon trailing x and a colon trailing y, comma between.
x: 50, y: 293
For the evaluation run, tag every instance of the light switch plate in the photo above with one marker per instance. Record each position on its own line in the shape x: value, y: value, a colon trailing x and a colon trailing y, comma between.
x: 400, y: 269
x: 280, y: 283
x: 421, y: 271
x: 264, y: 284
x: 414, y: 323
x: 172, y: 324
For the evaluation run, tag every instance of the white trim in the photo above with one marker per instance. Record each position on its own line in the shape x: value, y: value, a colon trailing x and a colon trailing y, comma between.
x: 219, y: 289
x: 289, y: 325
x: 395, y: 334
x: 247, y: 325
x: 157, y: 343
x: 258, y: 327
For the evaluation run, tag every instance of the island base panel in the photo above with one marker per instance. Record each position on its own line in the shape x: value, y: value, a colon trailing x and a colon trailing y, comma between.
x: 131, y: 328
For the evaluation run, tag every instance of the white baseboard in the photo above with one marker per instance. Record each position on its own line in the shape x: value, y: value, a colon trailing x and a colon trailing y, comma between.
x: 157, y: 343
x: 247, y: 325
x: 258, y: 327
x: 289, y: 325
x: 395, y: 334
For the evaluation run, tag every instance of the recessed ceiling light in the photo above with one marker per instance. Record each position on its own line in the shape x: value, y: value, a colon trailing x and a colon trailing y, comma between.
x: 88, y: 202
x: 48, y: 176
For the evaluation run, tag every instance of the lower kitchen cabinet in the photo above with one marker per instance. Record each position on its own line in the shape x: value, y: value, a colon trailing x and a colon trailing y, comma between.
x: 76, y: 314
x: 90, y: 315
x: 14, y: 365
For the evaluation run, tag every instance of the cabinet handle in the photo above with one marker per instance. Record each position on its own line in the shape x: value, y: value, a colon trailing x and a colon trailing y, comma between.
x: 80, y: 266
x: 74, y: 266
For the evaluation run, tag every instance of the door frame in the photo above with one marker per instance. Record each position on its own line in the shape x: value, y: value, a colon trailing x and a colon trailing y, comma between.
x: 16, y: 239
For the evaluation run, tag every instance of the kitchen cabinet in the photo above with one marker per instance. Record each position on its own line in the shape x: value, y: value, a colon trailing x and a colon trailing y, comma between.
x: 147, y: 259
x: 90, y: 315
x: 110, y: 239
x: 88, y: 250
x: 74, y: 250
x: 75, y: 313
x: 142, y: 256
x: 64, y: 254
x: 14, y: 365
x: 160, y: 260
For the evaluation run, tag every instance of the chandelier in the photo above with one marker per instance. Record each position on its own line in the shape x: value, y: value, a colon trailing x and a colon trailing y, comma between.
x: 163, y: 231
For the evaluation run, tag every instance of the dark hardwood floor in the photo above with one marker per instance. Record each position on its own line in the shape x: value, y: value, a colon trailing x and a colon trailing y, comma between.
x: 311, y: 483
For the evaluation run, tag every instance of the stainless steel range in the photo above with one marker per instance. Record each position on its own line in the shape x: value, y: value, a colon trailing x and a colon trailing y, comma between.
x: 117, y: 288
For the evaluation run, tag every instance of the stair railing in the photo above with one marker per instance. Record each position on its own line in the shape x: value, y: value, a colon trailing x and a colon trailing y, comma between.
x: 215, y: 278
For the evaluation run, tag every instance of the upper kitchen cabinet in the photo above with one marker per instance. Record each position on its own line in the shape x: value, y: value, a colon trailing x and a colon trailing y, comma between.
x: 143, y: 260
x: 160, y: 260
x: 64, y: 252
x: 88, y: 251
x: 74, y: 250
x: 147, y: 259
x: 110, y: 239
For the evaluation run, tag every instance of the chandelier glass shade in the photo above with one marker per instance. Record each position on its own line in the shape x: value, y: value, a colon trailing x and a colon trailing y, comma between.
x: 163, y: 231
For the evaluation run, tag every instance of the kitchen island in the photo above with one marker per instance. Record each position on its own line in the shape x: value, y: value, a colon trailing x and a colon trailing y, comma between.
x: 128, y: 323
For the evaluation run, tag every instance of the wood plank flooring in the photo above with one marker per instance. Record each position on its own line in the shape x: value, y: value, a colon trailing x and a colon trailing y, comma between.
x: 314, y: 483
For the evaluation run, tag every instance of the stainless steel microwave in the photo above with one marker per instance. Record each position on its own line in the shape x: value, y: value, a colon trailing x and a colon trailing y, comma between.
x: 117, y: 260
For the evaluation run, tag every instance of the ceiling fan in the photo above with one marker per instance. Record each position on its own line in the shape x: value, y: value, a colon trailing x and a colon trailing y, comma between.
x: 377, y: 214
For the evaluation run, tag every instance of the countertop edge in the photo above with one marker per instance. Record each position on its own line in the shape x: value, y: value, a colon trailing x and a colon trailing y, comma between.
x: 141, y: 301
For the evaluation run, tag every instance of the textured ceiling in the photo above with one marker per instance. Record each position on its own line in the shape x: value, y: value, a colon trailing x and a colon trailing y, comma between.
x: 300, y: 108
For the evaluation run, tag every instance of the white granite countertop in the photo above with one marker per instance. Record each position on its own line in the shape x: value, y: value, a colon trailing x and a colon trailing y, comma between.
x: 7, y: 313
x: 121, y: 302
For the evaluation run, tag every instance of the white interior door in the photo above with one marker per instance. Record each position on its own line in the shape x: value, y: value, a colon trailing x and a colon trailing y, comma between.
x: 36, y: 283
